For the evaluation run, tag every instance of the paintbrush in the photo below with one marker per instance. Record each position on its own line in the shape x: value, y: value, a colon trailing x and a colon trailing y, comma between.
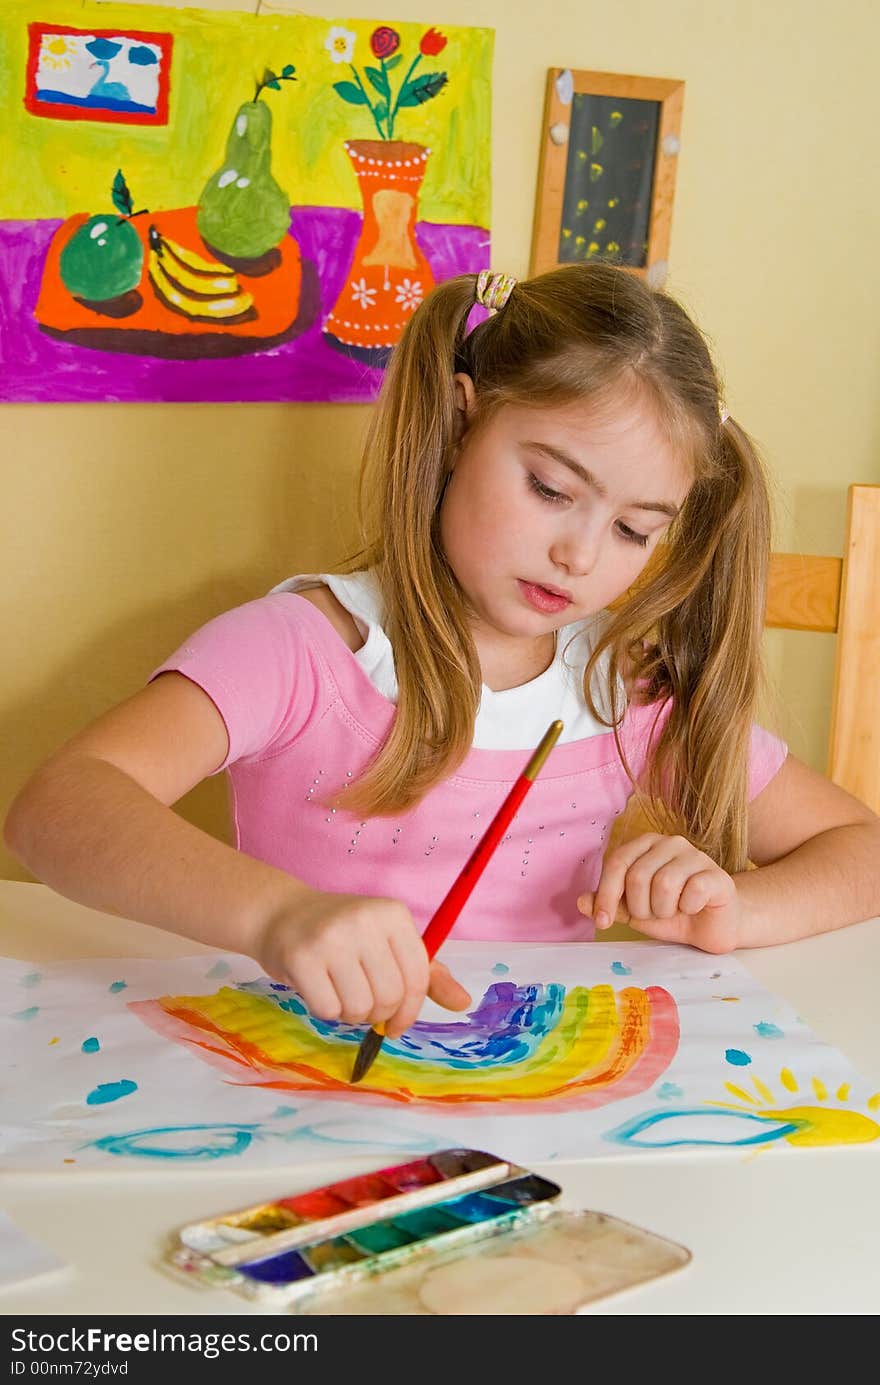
x: 473, y: 868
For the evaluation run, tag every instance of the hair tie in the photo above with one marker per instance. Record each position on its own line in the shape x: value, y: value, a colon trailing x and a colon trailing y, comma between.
x: 493, y: 290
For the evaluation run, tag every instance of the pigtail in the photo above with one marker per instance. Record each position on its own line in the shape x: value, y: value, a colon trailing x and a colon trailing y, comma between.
x: 692, y: 633
x: 406, y: 467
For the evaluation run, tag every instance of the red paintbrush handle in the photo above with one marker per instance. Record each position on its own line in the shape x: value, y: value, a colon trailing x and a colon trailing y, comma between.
x: 452, y: 905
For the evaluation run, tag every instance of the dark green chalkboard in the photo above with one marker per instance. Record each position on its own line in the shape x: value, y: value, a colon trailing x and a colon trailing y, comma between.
x: 609, y: 180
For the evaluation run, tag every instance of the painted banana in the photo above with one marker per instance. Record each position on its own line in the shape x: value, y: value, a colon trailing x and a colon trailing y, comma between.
x: 203, y: 290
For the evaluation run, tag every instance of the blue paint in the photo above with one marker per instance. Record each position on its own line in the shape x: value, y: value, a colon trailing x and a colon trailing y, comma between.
x: 33, y: 978
x: 220, y: 968
x: 169, y: 1142
x: 281, y: 1111
x: 621, y: 969
x: 110, y: 1091
x: 500, y: 969
x: 668, y: 1091
x: 737, y: 1058
x: 279, y: 986
x: 90, y: 1045
x: 117, y: 986
x: 768, y: 1030
x: 768, y: 1130
x: 281, y: 1269
x: 27, y: 1014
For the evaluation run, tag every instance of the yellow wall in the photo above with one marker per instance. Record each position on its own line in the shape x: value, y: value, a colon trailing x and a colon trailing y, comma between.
x: 125, y: 526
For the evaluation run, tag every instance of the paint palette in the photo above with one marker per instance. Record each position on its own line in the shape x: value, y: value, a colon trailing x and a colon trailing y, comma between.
x: 296, y: 1247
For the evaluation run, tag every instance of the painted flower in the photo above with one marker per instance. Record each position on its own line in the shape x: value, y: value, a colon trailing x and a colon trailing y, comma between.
x: 373, y: 87
x: 410, y: 294
x: 340, y: 44
x: 384, y: 42
x: 363, y: 294
x: 432, y: 43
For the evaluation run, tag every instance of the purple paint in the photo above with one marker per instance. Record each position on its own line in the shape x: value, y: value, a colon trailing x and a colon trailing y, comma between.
x: 39, y: 369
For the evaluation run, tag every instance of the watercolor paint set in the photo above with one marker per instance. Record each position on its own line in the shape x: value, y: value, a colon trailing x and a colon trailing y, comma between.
x: 363, y: 1243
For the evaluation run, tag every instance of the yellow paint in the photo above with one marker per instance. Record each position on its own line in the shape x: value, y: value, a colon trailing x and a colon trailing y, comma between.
x: 738, y: 1091
x: 49, y: 173
x: 56, y: 1040
x: 613, y: 201
x: 593, y: 248
x: 596, y: 171
x: 600, y: 224
x: 598, y: 139
x: 615, y: 118
x: 815, y: 1125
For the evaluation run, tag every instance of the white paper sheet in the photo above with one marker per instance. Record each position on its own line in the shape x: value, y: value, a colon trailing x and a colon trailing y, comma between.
x: 579, y: 1051
x: 20, y: 1257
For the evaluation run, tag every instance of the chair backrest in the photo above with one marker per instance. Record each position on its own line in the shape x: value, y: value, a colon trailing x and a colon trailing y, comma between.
x: 842, y: 595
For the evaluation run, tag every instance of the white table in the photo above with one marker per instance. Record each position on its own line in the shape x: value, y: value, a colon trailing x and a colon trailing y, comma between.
x: 790, y: 1235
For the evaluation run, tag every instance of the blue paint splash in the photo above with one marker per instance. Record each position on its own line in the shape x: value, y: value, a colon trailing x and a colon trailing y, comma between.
x: 220, y: 968
x: 33, y: 978
x: 500, y: 969
x: 621, y: 969
x: 27, y: 1014
x: 90, y: 1045
x: 116, y: 986
x: 768, y: 1030
x: 110, y: 1091
x: 737, y: 1058
x: 281, y: 1111
x: 668, y: 1091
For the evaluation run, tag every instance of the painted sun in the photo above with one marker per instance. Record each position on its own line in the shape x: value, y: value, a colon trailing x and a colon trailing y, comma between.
x: 56, y: 52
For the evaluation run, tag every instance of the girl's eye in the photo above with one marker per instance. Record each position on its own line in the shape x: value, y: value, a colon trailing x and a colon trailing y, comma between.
x: 631, y: 536
x: 551, y: 496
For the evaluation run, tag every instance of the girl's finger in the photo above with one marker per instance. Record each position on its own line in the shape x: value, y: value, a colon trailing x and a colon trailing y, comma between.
x: 412, y: 961
x: 354, y: 990
x: 317, y: 990
x: 705, y: 889
x: 641, y: 874
x: 610, y: 889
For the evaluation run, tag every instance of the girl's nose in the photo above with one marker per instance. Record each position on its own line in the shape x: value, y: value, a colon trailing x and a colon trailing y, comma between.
x: 576, y: 550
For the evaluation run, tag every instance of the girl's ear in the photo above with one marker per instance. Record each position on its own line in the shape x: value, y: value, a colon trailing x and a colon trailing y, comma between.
x: 465, y: 400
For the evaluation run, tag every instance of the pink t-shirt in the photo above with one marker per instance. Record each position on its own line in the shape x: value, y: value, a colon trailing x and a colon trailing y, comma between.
x: 304, y: 719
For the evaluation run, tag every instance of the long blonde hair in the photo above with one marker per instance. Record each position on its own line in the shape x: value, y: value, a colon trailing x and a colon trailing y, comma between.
x: 691, y: 634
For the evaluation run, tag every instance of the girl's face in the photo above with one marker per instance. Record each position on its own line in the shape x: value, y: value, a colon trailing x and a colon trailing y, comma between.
x: 551, y: 513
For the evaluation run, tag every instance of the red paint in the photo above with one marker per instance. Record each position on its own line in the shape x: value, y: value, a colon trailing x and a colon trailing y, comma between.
x: 314, y: 1205
x: 420, y: 1174
x: 360, y: 1192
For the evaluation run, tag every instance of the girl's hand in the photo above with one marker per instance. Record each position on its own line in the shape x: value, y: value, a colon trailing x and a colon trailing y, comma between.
x: 670, y: 890
x: 354, y: 958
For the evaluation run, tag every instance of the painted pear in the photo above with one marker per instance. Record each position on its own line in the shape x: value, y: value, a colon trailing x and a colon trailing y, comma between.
x: 243, y: 212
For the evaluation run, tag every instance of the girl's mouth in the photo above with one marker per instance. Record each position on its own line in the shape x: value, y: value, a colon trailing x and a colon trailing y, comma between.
x: 542, y: 599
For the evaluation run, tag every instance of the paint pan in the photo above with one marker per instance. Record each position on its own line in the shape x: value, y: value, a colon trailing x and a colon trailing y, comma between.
x: 338, y: 1248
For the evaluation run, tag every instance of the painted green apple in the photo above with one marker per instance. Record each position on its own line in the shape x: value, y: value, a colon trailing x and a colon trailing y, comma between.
x: 102, y: 260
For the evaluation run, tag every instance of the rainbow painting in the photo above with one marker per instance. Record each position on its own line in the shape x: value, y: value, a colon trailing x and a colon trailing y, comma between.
x: 575, y: 1051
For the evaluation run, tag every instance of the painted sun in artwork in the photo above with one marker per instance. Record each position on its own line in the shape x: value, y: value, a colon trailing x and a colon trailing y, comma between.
x: 523, y: 1047
x: 56, y: 52
x: 758, y: 1118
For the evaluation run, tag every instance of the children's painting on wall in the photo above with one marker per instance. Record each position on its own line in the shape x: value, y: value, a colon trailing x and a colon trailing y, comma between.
x: 222, y: 205
x: 573, y: 1052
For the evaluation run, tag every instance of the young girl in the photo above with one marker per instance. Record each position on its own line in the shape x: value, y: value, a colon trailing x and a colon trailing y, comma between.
x: 560, y: 521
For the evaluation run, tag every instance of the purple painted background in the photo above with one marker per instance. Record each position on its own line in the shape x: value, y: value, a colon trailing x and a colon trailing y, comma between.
x: 35, y: 368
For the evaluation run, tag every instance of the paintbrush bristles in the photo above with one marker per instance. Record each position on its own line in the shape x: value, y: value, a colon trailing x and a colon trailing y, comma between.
x: 366, y: 1054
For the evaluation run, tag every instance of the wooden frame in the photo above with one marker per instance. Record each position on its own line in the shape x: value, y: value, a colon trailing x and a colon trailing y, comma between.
x: 842, y: 595
x: 645, y: 251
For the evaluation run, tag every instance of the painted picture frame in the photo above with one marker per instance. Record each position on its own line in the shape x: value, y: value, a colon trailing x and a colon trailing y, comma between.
x: 607, y: 172
x: 115, y: 75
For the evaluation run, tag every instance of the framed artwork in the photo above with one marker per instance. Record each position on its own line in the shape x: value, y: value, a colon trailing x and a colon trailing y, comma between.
x: 606, y: 182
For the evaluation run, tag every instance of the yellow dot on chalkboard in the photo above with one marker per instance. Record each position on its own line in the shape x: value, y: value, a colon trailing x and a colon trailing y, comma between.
x: 613, y: 201
x: 566, y: 233
x: 593, y: 248
x: 596, y: 171
x: 599, y: 225
x: 582, y: 155
x: 612, y: 247
x: 580, y: 240
x: 582, y: 205
x: 598, y: 140
x: 615, y: 118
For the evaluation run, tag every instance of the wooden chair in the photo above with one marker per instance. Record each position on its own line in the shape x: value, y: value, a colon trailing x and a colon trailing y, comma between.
x: 842, y: 596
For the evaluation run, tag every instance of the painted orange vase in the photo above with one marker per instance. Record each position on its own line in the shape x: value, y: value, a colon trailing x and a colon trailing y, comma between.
x: 389, y: 275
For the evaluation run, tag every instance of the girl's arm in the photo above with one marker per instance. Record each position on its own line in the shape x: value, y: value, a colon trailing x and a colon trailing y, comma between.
x: 817, y: 850
x: 95, y: 823
x: 817, y: 853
